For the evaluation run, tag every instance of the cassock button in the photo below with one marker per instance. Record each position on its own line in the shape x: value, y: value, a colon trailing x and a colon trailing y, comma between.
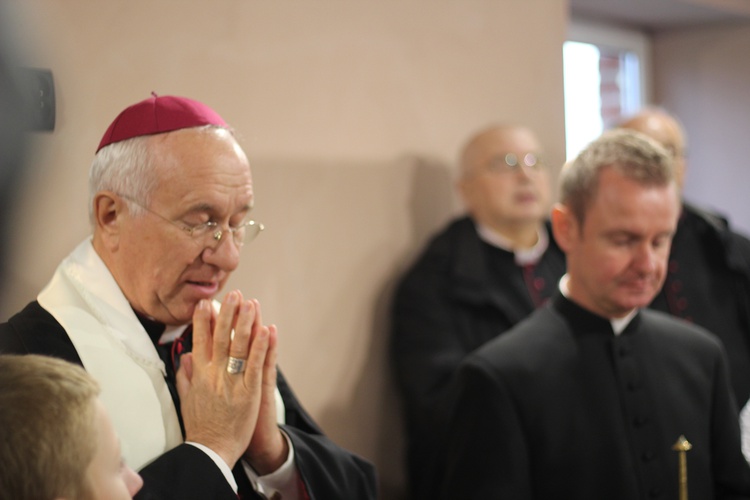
x: 648, y: 455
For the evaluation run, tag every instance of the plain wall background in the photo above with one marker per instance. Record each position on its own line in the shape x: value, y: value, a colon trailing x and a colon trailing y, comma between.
x: 351, y: 114
x: 703, y: 75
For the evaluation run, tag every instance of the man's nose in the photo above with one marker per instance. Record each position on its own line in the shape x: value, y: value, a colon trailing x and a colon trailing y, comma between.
x: 646, y: 258
x: 225, y: 254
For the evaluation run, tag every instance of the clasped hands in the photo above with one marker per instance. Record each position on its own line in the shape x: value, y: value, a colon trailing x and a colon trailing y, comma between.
x: 233, y: 414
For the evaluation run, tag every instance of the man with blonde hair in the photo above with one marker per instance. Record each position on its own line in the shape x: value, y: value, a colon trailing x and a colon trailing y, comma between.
x: 586, y: 398
x: 58, y: 441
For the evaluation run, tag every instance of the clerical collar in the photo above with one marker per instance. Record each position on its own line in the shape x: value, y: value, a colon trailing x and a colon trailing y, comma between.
x: 618, y: 324
x: 523, y: 257
x: 158, y: 331
x: 171, y: 333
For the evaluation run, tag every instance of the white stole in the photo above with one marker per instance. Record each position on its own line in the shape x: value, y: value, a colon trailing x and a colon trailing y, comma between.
x: 116, y: 350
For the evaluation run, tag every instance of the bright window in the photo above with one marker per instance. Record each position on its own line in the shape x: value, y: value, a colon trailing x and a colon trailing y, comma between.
x: 605, y: 75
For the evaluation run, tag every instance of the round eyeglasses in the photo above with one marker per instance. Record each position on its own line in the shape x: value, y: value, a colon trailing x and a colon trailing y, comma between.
x: 209, y: 234
x: 510, y: 162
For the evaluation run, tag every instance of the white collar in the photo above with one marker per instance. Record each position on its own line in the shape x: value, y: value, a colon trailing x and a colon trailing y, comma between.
x: 618, y: 324
x: 523, y: 257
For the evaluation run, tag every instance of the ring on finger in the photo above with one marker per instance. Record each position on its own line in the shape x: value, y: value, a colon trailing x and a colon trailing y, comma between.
x: 235, y: 365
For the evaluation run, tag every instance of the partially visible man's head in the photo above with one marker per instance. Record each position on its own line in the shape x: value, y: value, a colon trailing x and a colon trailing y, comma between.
x: 630, y: 153
x: 57, y: 440
x: 667, y: 131
x: 504, y: 181
x: 169, y: 198
x: 617, y: 214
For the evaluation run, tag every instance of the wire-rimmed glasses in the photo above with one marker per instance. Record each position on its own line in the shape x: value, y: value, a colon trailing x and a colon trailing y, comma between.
x: 209, y: 234
x: 510, y: 163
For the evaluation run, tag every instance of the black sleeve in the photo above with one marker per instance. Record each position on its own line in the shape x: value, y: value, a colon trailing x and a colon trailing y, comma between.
x: 328, y: 471
x: 486, y: 454
x: 182, y: 473
x: 730, y: 468
x: 35, y: 331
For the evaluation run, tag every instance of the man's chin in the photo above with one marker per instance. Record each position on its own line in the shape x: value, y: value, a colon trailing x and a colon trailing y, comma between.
x: 176, y: 316
x: 638, y: 302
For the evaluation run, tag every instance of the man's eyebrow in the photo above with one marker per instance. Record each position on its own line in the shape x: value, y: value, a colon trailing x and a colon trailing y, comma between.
x: 201, y: 207
x: 208, y: 208
x: 622, y: 232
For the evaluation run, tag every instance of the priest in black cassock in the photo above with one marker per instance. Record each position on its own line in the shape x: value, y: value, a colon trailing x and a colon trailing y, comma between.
x: 587, y: 397
x: 480, y: 276
x: 708, y: 276
x: 171, y: 192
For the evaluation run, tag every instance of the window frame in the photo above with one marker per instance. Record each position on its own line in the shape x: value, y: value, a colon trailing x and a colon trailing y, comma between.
x: 617, y: 38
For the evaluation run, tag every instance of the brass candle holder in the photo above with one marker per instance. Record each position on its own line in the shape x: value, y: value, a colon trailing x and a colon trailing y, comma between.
x: 682, y: 446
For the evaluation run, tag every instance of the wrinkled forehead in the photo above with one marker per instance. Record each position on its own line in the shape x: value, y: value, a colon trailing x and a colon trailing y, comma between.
x: 507, y: 140
x: 198, y: 149
x: 200, y: 159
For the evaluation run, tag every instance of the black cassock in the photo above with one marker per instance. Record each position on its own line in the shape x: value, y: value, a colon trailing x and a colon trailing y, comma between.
x: 460, y: 293
x: 560, y: 407
x: 708, y: 283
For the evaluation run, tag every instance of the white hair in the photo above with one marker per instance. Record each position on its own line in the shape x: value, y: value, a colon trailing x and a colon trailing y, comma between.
x: 127, y: 169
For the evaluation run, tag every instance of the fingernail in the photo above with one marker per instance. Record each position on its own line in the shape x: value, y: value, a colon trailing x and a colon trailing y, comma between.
x: 232, y: 298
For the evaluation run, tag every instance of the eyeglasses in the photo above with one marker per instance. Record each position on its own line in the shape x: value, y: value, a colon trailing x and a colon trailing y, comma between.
x: 510, y: 162
x: 209, y: 234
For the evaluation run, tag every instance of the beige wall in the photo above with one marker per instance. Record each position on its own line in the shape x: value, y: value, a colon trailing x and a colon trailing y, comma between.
x: 351, y: 114
x: 702, y: 75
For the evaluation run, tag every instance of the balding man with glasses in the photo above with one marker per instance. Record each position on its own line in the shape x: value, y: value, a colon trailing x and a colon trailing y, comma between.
x: 480, y: 276
x: 191, y: 384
